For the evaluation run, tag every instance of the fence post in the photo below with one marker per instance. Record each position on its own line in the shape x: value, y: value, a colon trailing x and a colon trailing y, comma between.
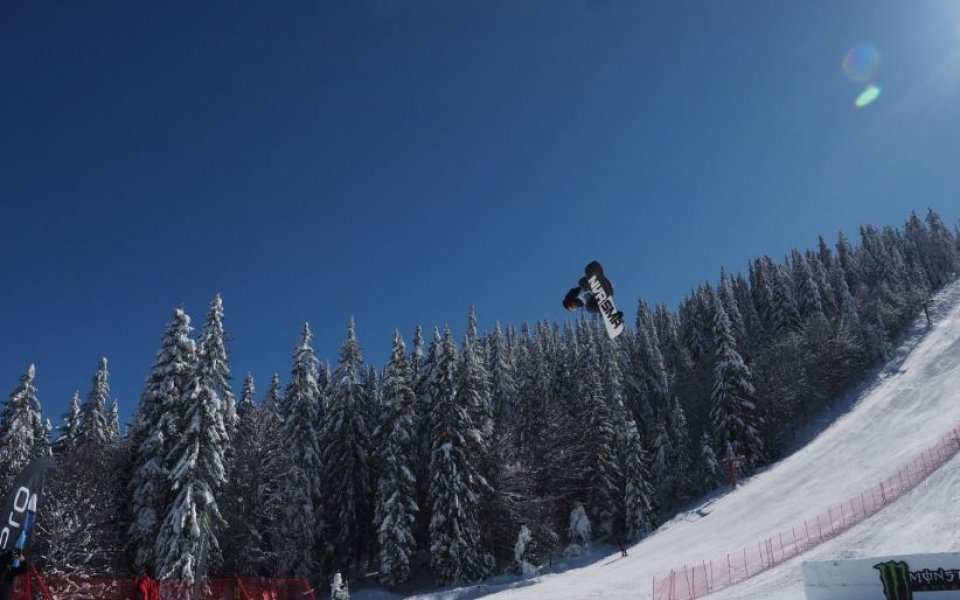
x: 729, y: 571
x: 819, y: 528
x: 883, y: 493
x: 746, y: 567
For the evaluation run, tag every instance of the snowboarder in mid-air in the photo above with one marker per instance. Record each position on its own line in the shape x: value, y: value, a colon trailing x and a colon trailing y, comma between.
x: 9, y: 572
x: 594, y: 292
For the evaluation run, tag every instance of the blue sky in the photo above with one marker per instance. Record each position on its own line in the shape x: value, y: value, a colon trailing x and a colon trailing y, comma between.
x: 401, y: 160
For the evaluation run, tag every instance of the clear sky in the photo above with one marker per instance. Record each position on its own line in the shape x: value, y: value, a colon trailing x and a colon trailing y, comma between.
x: 400, y: 160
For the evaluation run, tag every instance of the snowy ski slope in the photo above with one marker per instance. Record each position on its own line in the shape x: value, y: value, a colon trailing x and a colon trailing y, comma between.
x: 904, y: 408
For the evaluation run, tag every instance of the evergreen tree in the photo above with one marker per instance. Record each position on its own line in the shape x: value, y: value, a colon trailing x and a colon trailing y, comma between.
x: 396, y: 508
x: 274, y: 400
x: 247, y: 403
x: 785, y: 315
x: 502, y: 378
x: 155, y: 428
x: 196, y: 470
x: 113, y: 422
x: 648, y: 382
x: 67, y: 432
x: 638, y: 514
x: 732, y: 307
x: 253, y: 498
x: 455, y: 483
x: 94, y: 428
x: 810, y: 304
x: 301, y: 526
x: 599, y: 445
x: 709, y: 465
x: 733, y: 411
x: 213, y: 351
x: 23, y: 434
x: 345, y: 454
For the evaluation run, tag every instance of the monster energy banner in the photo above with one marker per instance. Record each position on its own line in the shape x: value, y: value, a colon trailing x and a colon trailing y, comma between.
x: 914, y: 577
x: 899, y: 582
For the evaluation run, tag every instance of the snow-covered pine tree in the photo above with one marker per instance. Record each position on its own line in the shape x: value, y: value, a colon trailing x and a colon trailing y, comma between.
x: 710, y: 471
x: 821, y: 279
x: 84, y: 498
x: 942, y: 251
x: 761, y: 288
x: 502, y: 378
x: 212, y: 343
x: 345, y: 456
x: 253, y: 494
x: 675, y: 356
x: 682, y: 461
x: 663, y: 462
x: 454, y: 481
x: 733, y: 410
x: 155, y: 428
x: 196, y: 470
x: 94, y: 429
x: 599, y: 451
x: 416, y: 357
x: 425, y: 388
x: 113, y: 422
x: 473, y: 393
x: 396, y: 507
x: 301, y: 525
x: 23, y: 431
x: 247, y: 403
x: 809, y: 301
x: 274, y: 399
x: 638, y: 514
x: 730, y: 304
x: 647, y: 381
x: 67, y: 432
x: 849, y: 264
x: 785, y: 315
x: 751, y: 318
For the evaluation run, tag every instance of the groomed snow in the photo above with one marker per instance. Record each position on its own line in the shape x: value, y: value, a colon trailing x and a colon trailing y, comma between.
x: 904, y: 408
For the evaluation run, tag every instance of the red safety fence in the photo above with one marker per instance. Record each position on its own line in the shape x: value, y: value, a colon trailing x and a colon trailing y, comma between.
x: 699, y: 580
x: 40, y: 587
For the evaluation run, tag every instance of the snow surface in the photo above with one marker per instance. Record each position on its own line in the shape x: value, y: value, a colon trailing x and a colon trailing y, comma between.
x: 903, y: 408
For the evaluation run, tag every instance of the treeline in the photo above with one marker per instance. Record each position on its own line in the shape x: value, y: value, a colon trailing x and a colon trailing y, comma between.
x: 464, y: 458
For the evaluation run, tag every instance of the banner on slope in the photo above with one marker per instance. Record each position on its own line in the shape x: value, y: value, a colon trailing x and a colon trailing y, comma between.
x: 913, y: 577
x: 20, y: 510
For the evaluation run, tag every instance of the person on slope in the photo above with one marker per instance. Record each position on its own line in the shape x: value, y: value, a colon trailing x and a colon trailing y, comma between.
x: 9, y: 573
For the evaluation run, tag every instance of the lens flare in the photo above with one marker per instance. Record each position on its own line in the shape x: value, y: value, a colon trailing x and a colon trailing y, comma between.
x: 868, y: 96
x: 861, y: 63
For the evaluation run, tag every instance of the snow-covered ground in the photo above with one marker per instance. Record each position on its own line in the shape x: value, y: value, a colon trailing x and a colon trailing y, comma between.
x: 904, y: 408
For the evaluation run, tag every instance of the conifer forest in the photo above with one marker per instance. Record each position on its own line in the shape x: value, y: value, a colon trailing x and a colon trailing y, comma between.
x: 463, y: 456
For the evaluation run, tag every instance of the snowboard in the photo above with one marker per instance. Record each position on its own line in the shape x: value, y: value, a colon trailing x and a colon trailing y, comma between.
x: 602, y: 291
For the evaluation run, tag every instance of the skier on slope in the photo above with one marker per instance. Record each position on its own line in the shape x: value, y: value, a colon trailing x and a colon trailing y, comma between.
x: 9, y: 573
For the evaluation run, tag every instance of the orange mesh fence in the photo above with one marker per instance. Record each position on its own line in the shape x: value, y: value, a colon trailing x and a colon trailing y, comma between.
x: 38, y: 587
x: 695, y: 581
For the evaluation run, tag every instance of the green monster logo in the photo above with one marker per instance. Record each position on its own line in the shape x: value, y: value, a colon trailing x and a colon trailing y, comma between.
x: 899, y: 582
x: 896, y: 580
